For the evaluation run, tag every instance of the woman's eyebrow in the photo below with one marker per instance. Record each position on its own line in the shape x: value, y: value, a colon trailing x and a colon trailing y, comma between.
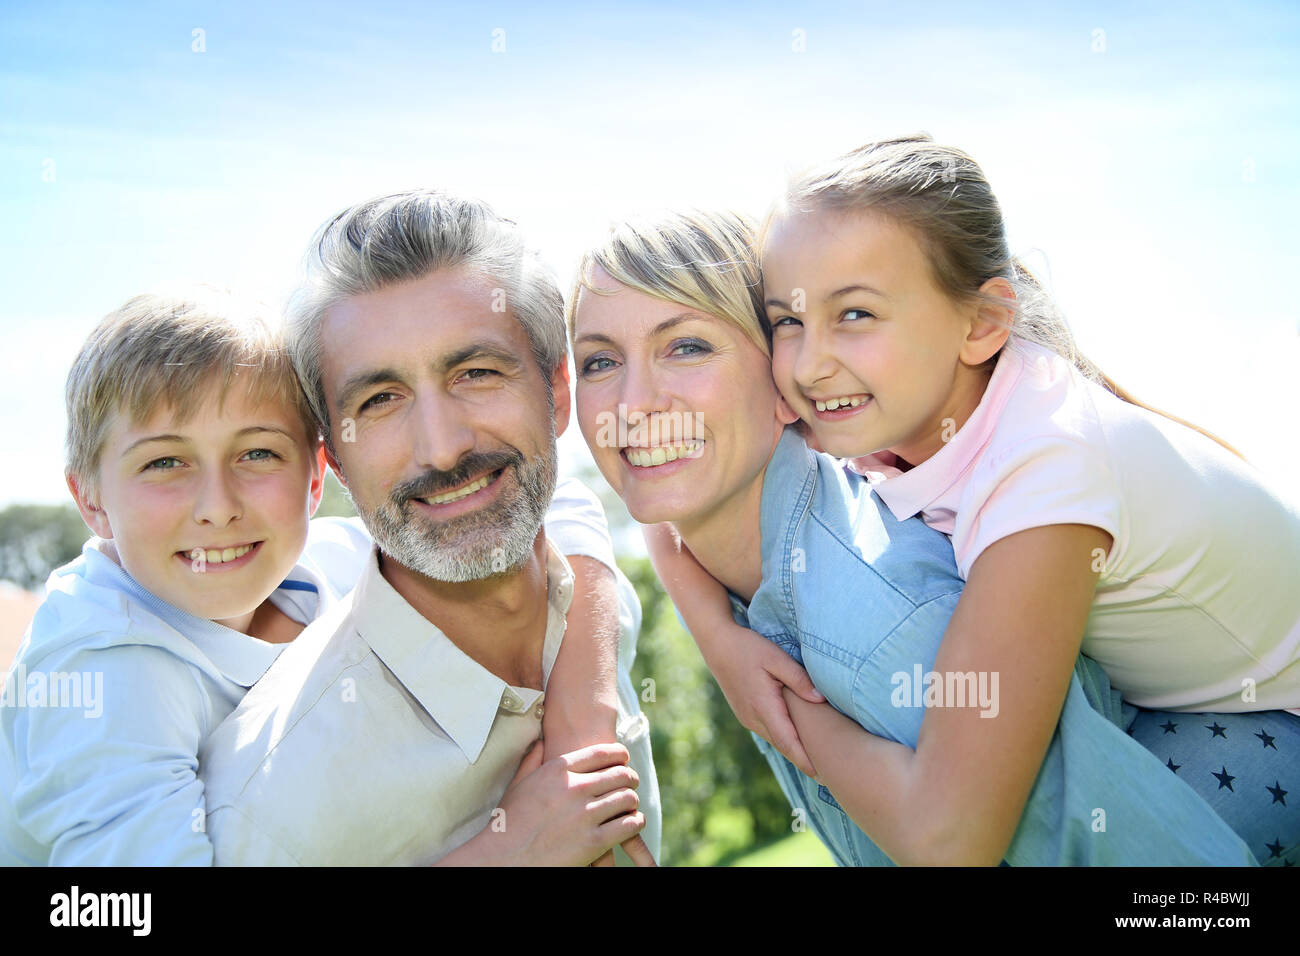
x: 659, y: 329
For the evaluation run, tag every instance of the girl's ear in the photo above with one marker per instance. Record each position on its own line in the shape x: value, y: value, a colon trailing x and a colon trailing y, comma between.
x: 96, y: 518
x: 991, y: 325
x: 784, y: 413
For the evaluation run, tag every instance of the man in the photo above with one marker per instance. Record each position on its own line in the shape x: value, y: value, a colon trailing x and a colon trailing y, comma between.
x: 402, y: 728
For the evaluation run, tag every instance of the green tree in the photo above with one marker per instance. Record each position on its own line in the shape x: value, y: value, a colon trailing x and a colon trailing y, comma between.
x: 36, y: 539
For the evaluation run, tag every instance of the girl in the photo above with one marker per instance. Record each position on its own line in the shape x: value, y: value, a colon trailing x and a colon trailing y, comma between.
x: 905, y: 335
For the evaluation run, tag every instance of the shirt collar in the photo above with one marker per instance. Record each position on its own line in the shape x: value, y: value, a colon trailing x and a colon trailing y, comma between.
x: 459, y: 693
x: 908, y: 493
x: 239, y: 657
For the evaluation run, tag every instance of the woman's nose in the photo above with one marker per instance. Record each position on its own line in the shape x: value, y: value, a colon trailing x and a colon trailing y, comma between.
x: 643, y: 391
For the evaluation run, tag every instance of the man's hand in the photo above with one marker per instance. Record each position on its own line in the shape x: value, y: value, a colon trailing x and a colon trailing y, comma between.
x: 752, y: 671
x: 565, y: 812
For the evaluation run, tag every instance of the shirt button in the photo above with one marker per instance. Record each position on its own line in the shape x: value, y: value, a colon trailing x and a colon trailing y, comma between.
x: 538, y: 711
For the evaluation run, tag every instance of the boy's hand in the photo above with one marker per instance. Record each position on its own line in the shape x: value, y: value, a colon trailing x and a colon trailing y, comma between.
x: 752, y: 671
x: 570, y: 810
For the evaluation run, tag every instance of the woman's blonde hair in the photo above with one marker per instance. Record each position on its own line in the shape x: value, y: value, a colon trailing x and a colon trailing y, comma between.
x: 707, y: 261
x: 941, y: 195
x: 165, y: 350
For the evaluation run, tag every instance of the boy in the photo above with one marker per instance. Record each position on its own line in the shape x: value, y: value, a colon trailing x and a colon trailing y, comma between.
x: 193, y: 457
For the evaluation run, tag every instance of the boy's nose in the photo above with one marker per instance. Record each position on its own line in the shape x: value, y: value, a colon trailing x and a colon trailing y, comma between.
x: 217, y: 503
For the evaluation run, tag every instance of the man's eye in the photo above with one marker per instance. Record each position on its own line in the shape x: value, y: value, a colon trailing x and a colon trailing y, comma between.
x: 478, y: 373
x: 383, y: 398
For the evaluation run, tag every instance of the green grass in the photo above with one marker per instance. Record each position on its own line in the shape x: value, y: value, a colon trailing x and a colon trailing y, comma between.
x: 798, y: 849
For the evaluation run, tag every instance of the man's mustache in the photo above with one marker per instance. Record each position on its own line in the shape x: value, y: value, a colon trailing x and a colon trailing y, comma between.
x: 437, y: 482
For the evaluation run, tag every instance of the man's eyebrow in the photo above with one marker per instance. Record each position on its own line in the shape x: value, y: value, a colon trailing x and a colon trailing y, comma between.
x: 362, y: 381
x: 480, y: 350
x: 659, y: 329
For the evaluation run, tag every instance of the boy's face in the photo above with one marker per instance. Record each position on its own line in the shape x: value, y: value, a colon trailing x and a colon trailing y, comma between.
x: 209, y: 515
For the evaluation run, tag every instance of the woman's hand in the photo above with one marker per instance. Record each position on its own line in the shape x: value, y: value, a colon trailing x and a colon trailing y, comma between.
x: 752, y: 671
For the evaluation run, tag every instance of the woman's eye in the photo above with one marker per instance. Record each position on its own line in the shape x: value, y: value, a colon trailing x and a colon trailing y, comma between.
x: 162, y: 464
x: 597, y: 363
x: 689, y: 347
x: 859, y: 312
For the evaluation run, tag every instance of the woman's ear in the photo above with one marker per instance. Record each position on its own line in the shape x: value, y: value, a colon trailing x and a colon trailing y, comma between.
x: 990, y: 327
x: 96, y: 518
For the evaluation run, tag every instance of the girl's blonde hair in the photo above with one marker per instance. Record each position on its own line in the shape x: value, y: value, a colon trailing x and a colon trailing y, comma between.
x: 707, y: 261
x: 941, y: 194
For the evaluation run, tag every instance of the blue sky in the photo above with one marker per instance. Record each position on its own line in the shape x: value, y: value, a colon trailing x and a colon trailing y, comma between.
x: 1152, y: 170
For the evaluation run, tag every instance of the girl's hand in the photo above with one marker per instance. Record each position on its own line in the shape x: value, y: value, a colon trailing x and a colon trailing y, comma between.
x: 752, y: 671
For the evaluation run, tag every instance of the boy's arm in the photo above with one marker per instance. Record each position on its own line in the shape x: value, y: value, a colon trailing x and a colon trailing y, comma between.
x: 113, y: 780
x: 750, y: 669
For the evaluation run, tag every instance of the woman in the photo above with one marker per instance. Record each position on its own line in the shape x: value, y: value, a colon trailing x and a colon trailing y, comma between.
x: 676, y: 400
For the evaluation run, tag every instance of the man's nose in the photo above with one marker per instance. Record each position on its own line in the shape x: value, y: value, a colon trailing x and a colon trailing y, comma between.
x: 218, y: 501
x: 442, y: 433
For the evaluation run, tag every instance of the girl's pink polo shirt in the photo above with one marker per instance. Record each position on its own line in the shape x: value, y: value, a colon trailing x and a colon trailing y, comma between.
x: 1198, y: 604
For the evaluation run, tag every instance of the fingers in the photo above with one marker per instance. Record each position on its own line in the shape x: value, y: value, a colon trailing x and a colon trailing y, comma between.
x: 784, y: 668
x: 622, y: 829
x: 639, y: 852
x: 786, y: 739
x: 599, y: 782
x: 596, y: 757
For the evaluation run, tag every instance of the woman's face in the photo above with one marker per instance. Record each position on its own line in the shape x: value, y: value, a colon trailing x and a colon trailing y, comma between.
x: 678, y: 407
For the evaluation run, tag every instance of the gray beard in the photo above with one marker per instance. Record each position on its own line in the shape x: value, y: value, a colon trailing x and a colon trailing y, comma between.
x: 494, y: 540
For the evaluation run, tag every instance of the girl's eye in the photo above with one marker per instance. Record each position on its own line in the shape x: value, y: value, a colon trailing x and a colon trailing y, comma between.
x: 788, y: 321
x: 862, y: 312
x: 689, y: 347
x: 597, y: 363
x: 162, y: 464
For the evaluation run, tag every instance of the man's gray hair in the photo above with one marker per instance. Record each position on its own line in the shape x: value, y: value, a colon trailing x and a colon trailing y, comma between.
x: 406, y: 236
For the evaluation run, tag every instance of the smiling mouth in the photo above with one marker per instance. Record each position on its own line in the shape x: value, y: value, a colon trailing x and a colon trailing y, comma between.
x: 639, y: 457
x: 846, y: 401
x: 464, y: 491
x: 218, y: 555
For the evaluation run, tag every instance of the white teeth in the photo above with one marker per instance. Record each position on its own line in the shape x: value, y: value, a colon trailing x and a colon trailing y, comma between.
x: 228, y: 554
x: 661, y: 454
x: 459, y: 492
x: 831, y: 404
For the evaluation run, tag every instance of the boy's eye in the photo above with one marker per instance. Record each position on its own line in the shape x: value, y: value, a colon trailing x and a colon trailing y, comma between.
x: 261, y: 454
x: 163, y: 464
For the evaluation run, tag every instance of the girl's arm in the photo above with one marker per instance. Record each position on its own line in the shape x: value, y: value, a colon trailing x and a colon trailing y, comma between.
x: 750, y: 669
x: 957, y: 799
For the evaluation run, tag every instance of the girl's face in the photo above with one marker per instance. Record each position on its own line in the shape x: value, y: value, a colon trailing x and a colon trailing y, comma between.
x: 866, y: 348
x: 678, y: 407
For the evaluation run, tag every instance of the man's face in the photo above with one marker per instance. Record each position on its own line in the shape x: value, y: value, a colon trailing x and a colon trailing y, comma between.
x: 440, y: 423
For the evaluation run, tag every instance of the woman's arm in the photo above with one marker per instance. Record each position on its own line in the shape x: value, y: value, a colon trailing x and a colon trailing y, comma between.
x: 957, y: 799
x: 750, y: 669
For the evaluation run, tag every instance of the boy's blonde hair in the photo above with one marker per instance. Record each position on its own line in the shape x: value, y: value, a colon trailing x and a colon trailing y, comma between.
x: 166, y: 349
x: 707, y: 261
